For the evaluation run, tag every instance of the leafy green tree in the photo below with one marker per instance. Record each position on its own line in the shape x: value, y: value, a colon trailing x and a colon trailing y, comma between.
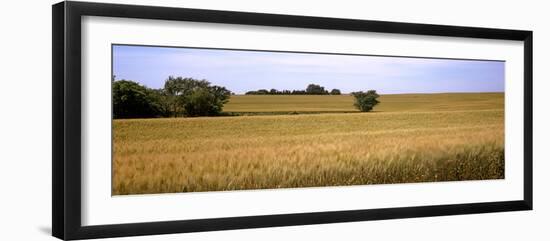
x: 365, y: 101
x: 335, y: 92
x: 173, y: 88
x: 313, y: 89
x: 179, y: 97
x: 132, y: 100
x: 199, y: 103
x: 192, y: 97
x: 220, y: 96
x: 177, y: 89
x: 159, y: 99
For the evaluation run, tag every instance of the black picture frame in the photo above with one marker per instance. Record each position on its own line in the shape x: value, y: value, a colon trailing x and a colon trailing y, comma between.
x: 66, y: 127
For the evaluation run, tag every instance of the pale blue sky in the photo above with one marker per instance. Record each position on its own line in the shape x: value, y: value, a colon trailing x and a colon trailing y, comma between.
x: 241, y: 71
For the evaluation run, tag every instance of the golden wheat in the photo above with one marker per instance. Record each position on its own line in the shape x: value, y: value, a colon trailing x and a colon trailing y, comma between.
x: 284, y: 151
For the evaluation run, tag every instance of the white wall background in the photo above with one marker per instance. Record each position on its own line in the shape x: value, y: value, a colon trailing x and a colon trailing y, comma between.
x: 25, y: 123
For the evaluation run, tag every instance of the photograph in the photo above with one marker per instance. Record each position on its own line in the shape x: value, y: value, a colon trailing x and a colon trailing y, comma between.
x: 192, y: 119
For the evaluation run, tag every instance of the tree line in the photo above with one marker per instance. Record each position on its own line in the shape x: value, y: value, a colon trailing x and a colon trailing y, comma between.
x: 364, y: 101
x: 179, y: 97
x: 188, y: 97
x: 311, y: 89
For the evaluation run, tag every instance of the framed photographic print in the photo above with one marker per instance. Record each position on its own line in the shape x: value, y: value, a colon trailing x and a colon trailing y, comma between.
x: 169, y: 120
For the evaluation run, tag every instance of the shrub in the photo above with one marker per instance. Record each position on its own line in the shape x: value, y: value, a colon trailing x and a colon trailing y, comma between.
x: 365, y: 101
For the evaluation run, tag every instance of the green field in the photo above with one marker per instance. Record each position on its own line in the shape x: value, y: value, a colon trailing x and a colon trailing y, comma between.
x: 408, y: 138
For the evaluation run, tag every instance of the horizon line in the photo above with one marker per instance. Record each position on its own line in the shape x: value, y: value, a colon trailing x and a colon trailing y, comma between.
x: 348, y: 93
x: 408, y: 93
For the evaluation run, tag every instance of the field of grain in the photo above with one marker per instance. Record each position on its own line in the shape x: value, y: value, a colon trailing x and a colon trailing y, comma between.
x: 409, y: 138
x: 284, y: 104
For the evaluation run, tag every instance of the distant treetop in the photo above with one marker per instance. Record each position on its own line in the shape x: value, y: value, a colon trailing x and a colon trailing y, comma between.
x: 311, y: 89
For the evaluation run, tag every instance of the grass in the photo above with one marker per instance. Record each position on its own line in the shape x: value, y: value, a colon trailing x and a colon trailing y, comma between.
x: 410, y: 138
x: 285, y: 104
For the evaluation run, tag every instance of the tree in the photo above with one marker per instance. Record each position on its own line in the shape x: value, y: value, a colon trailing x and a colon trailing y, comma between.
x: 220, y: 96
x: 298, y: 92
x: 365, y: 101
x: 179, y: 97
x: 335, y: 92
x: 313, y: 89
x: 159, y: 99
x: 132, y: 100
x: 199, y: 103
x: 192, y: 97
x: 178, y: 89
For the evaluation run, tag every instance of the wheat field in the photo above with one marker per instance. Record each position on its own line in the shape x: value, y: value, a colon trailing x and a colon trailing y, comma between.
x: 408, y: 138
x: 284, y: 104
